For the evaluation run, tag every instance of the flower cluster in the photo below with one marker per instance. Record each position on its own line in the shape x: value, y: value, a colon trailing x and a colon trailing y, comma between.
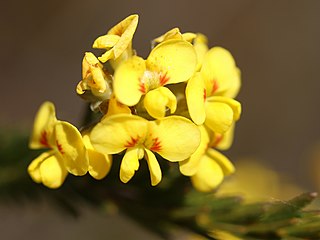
x: 176, y: 105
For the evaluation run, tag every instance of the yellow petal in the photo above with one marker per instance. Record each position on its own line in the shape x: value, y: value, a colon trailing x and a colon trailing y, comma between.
x: 190, y: 166
x: 99, y: 164
x: 208, y: 176
x: 127, y: 87
x: 118, y: 132
x: 220, y: 72
x: 225, y: 140
x: 34, y: 166
x: 43, y: 127
x: 129, y: 164
x: 219, y: 116
x: 200, y: 44
x: 71, y: 147
x: 115, y: 107
x: 196, y: 96
x: 106, y: 41
x: 171, y: 34
x: 234, y: 104
x: 154, y: 168
x: 175, y: 58
x: 157, y: 100
x: 125, y: 29
x: 106, y: 56
x: 53, y: 172
x: 225, y: 164
x: 48, y: 169
x: 175, y: 138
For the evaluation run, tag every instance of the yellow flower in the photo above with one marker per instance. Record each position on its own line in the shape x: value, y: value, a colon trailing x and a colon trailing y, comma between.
x: 172, y: 61
x: 94, y: 78
x: 67, y: 154
x: 209, y: 93
x: 118, y: 40
x: 206, y: 166
x: 174, y: 138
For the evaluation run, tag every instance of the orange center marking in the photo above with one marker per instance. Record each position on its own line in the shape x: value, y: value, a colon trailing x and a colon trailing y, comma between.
x: 59, y: 147
x: 142, y: 88
x: 215, y: 86
x: 133, y: 141
x: 44, y: 139
x: 163, y: 79
x: 204, y: 94
x: 156, y: 146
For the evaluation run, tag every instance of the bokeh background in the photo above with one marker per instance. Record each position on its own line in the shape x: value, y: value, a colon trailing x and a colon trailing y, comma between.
x: 276, y: 44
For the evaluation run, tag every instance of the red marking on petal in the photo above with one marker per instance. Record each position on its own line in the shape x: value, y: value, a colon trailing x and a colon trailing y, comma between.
x: 156, y: 146
x: 44, y: 139
x: 59, y: 147
x: 163, y: 79
x: 133, y: 141
x: 217, y: 140
x: 204, y: 94
x: 142, y: 88
x: 215, y: 86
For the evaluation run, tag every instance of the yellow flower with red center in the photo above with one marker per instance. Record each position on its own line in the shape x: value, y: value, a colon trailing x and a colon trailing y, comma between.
x: 174, y: 138
x: 210, y: 92
x: 170, y: 62
x: 67, y: 154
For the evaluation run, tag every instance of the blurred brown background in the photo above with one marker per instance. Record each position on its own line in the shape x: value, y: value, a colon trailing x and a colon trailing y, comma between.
x: 276, y: 44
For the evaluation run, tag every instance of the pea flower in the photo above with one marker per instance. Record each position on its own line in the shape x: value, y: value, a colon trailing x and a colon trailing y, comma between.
x: 174, y: 138
x: 209, y: 92
x: 118, y: 40
x: 67, y: 154
x: 206, y: 166
x: 94, y: 78
x: 170, y: 62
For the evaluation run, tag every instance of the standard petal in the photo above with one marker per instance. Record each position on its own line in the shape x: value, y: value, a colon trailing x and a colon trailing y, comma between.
x: 225, y: 164
x: 70, y: 145
x: 43, y: 127
x: 219, y: 116
x: 127, y: 86
x: 156, y: 101
x: 129, y: 164
x: 196, y: 97
x: 190, y: 166
x: 175, y: 138
x: 154, y: 168
x: 208, y: 176
x: 219, y: 69
x: 234, y: 104
x: 118, y: 132
x: 99, y: 164
x: 176, y: 59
